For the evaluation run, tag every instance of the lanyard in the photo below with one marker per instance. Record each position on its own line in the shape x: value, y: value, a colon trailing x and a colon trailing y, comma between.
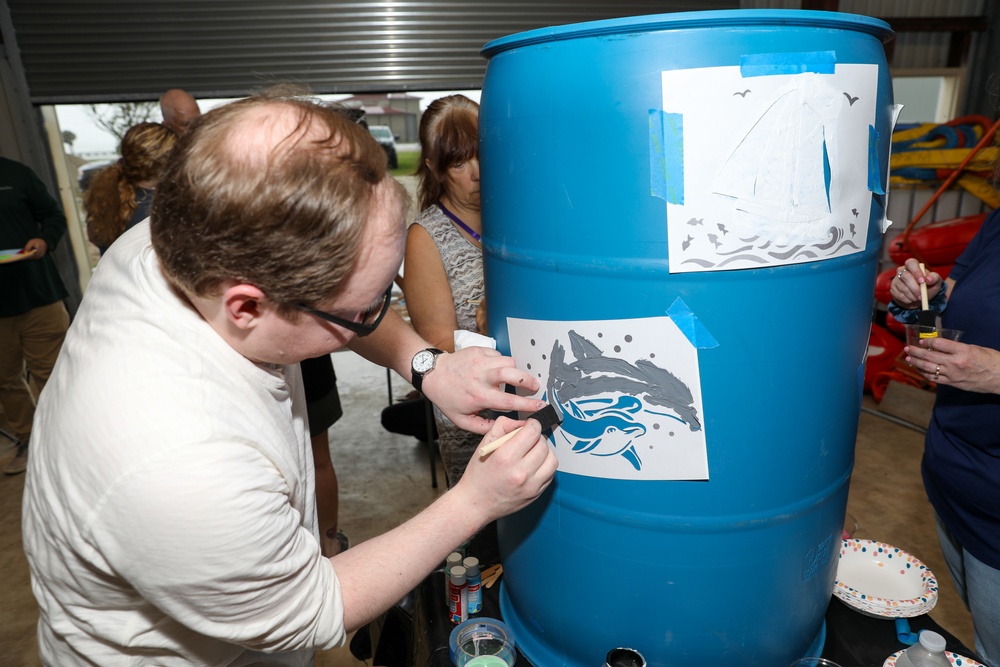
x: 454, y: 218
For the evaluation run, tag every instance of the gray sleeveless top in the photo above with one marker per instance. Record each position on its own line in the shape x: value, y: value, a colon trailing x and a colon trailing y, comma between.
x: 463, y: 264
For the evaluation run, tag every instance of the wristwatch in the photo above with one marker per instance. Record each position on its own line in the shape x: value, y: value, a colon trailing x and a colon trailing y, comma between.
x: 422, y: 364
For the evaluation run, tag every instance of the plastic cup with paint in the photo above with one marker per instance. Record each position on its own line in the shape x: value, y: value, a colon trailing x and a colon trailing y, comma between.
x: 486, y: 652
x: 916, y: 333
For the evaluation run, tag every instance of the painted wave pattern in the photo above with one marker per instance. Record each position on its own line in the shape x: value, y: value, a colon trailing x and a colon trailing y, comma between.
x: 767, y: 254
x: 606, y: 402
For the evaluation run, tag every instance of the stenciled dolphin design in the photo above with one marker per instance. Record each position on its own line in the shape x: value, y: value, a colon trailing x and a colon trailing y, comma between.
x: 603, y: 426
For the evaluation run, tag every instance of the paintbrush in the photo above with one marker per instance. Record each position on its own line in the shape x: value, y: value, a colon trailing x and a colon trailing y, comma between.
x: 547, y: 417
x: 926, y: 317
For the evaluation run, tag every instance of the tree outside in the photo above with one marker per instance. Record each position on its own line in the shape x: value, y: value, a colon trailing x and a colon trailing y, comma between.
x: 117, y: 118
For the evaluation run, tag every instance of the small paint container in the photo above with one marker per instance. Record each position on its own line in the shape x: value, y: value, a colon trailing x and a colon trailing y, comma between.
x: 482, y: 637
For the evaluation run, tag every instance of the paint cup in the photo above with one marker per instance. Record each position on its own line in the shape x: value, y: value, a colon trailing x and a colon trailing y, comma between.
x: 813, y: 662
x: 916, y: 333
x: 482, y: 651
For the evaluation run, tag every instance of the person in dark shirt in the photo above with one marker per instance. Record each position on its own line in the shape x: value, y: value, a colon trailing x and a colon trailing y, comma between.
x: 33, y: 318
x: 961, y: 464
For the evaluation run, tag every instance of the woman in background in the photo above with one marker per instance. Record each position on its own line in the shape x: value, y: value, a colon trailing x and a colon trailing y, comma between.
x: 120, y: 195
x: 443, y: 281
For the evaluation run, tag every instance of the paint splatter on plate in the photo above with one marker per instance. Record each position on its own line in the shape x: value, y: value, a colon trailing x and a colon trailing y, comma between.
x: 953, y: 658
x: 881, y: 580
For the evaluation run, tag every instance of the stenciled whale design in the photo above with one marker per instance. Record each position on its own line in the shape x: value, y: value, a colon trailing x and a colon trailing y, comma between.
x: 602, y: 399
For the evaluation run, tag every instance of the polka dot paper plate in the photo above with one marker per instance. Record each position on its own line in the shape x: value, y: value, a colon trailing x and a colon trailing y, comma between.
x: 953, y: 658
x: 878, y: 579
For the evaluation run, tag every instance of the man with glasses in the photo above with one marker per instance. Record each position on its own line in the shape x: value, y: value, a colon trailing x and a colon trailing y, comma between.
x: 169, y: 510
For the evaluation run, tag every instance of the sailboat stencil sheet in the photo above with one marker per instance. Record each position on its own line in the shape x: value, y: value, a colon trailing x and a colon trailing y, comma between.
x: 775, y: 167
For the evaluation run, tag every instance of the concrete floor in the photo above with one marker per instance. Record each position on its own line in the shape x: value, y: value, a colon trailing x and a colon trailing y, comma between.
x: 385, y: 478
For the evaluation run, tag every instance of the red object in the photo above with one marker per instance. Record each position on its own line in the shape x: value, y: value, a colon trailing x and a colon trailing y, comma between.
x: 882, y: 350
x: 938, y: 243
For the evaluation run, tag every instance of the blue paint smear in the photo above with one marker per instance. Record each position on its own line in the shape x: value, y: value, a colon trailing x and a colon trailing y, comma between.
x: 769, y: 64
x: 691, y: 326
x: 874, y: 172
x: 666, y: 156
x: 827, y: 175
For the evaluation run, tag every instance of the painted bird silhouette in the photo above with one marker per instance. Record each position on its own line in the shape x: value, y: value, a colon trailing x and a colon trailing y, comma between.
x: 743, y: 94
x: 850, y: 99
x: 601, y: 426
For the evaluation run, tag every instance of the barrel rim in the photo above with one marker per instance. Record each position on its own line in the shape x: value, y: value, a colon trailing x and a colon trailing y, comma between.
x: 706, y: 19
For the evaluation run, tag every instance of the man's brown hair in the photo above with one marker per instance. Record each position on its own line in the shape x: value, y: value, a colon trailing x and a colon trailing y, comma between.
x: 272, y: 191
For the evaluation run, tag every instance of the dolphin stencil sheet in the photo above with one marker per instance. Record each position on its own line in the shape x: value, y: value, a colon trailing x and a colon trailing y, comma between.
x: 628, y: 391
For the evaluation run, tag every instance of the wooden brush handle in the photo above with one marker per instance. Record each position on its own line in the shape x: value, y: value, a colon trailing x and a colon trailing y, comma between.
x: 923, y: 290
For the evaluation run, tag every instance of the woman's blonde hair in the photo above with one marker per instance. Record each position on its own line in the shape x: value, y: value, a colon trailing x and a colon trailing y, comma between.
x: 110, y: 200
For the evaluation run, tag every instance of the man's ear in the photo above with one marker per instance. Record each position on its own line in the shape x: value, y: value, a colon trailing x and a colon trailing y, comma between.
x: 243, y: 304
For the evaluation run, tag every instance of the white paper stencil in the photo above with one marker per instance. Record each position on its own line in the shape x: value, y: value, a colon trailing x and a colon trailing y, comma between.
x: 629, y: 393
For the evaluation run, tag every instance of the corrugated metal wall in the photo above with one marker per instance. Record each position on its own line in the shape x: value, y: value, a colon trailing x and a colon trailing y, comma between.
x: 912, y: 50
x: 119, y: 50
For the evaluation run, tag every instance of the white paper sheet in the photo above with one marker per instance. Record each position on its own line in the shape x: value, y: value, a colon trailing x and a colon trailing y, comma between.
x: 756, y: 154
x: 629, y: 392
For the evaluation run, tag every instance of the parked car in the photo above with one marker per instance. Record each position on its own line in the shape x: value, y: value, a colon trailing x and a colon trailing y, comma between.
x: 383, y: 134
x: 85, y: 174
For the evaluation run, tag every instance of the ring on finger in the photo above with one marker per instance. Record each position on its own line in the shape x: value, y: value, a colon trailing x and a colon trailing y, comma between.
x: 899, y: 274
x: 937, y: 371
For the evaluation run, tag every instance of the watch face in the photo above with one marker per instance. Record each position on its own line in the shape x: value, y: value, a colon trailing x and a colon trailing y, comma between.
x: 423, y: 361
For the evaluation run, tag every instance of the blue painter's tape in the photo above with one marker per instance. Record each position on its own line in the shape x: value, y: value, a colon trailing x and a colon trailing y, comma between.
x: 666, y: 156
x: 690, y: 325
x: 767, y: 64
x: 874, y: 171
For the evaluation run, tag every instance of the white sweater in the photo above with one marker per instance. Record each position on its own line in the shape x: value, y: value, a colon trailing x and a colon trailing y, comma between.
x: 169, y: 509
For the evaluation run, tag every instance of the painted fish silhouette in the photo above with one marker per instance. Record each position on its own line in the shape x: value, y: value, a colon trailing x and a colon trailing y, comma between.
x: 580, y: 389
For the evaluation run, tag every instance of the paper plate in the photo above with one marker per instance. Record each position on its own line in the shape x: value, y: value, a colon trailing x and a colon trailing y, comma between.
x: 14, y: 255
x: 953, y: 658
x: 880, y: 580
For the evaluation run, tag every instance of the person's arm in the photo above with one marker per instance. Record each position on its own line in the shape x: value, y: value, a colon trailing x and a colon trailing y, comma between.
x: 462, y: 383
x: 46, y: 212
x: 375, y: 574
x: 429, y: 300
x: 327, y: 494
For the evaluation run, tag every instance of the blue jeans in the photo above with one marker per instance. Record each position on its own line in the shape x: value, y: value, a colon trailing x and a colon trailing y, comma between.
x: 979, y: 586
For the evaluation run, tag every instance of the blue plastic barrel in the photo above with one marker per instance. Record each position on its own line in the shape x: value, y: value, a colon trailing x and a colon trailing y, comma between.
x: 599, y: 144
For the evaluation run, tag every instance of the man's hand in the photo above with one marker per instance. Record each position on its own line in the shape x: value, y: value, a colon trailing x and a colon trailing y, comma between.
x: 36, y: 247
x: 465, y: 382
x: 513, y: 475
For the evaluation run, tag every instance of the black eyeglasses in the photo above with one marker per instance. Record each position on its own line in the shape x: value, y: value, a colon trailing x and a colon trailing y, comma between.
x: 364, y: 322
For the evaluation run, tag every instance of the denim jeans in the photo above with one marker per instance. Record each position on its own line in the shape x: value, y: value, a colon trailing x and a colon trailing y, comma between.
x: 979, y: 586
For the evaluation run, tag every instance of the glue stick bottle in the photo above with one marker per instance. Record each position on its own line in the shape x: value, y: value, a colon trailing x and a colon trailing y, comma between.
x: 474, y: 581
x: 458, y: 595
